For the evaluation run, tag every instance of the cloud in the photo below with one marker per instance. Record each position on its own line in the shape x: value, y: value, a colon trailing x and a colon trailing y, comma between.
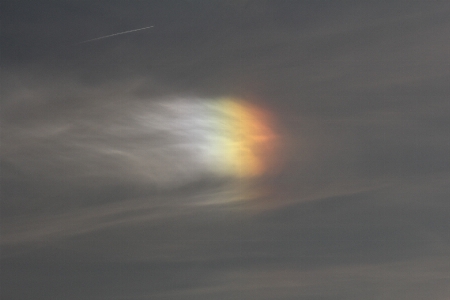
x: 330, y: 283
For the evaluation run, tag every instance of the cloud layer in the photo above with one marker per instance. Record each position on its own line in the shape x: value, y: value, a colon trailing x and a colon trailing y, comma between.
x: 103, y: 193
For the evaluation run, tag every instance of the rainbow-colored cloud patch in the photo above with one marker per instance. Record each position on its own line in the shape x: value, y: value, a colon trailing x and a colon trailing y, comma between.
x: 244, y: 142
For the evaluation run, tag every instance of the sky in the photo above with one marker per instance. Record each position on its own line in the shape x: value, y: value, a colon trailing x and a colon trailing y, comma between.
x: 228, y: 150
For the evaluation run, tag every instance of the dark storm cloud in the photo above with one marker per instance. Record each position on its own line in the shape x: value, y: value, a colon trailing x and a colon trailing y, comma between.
x: 95, y: 204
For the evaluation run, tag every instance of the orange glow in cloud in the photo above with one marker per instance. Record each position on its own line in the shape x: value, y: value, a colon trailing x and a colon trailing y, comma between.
x: 248, y: 143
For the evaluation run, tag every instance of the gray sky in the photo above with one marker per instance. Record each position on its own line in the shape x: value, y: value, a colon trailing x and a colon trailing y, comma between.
x: 110, y: 187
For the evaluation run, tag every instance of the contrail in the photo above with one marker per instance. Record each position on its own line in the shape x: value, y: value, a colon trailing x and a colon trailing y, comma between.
x: 107, y: 36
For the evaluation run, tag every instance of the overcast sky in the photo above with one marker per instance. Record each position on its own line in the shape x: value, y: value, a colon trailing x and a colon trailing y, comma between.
x: 110, y: 188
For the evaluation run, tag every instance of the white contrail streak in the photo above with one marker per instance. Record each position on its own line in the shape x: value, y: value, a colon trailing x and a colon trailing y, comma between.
x: 107, y: 36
